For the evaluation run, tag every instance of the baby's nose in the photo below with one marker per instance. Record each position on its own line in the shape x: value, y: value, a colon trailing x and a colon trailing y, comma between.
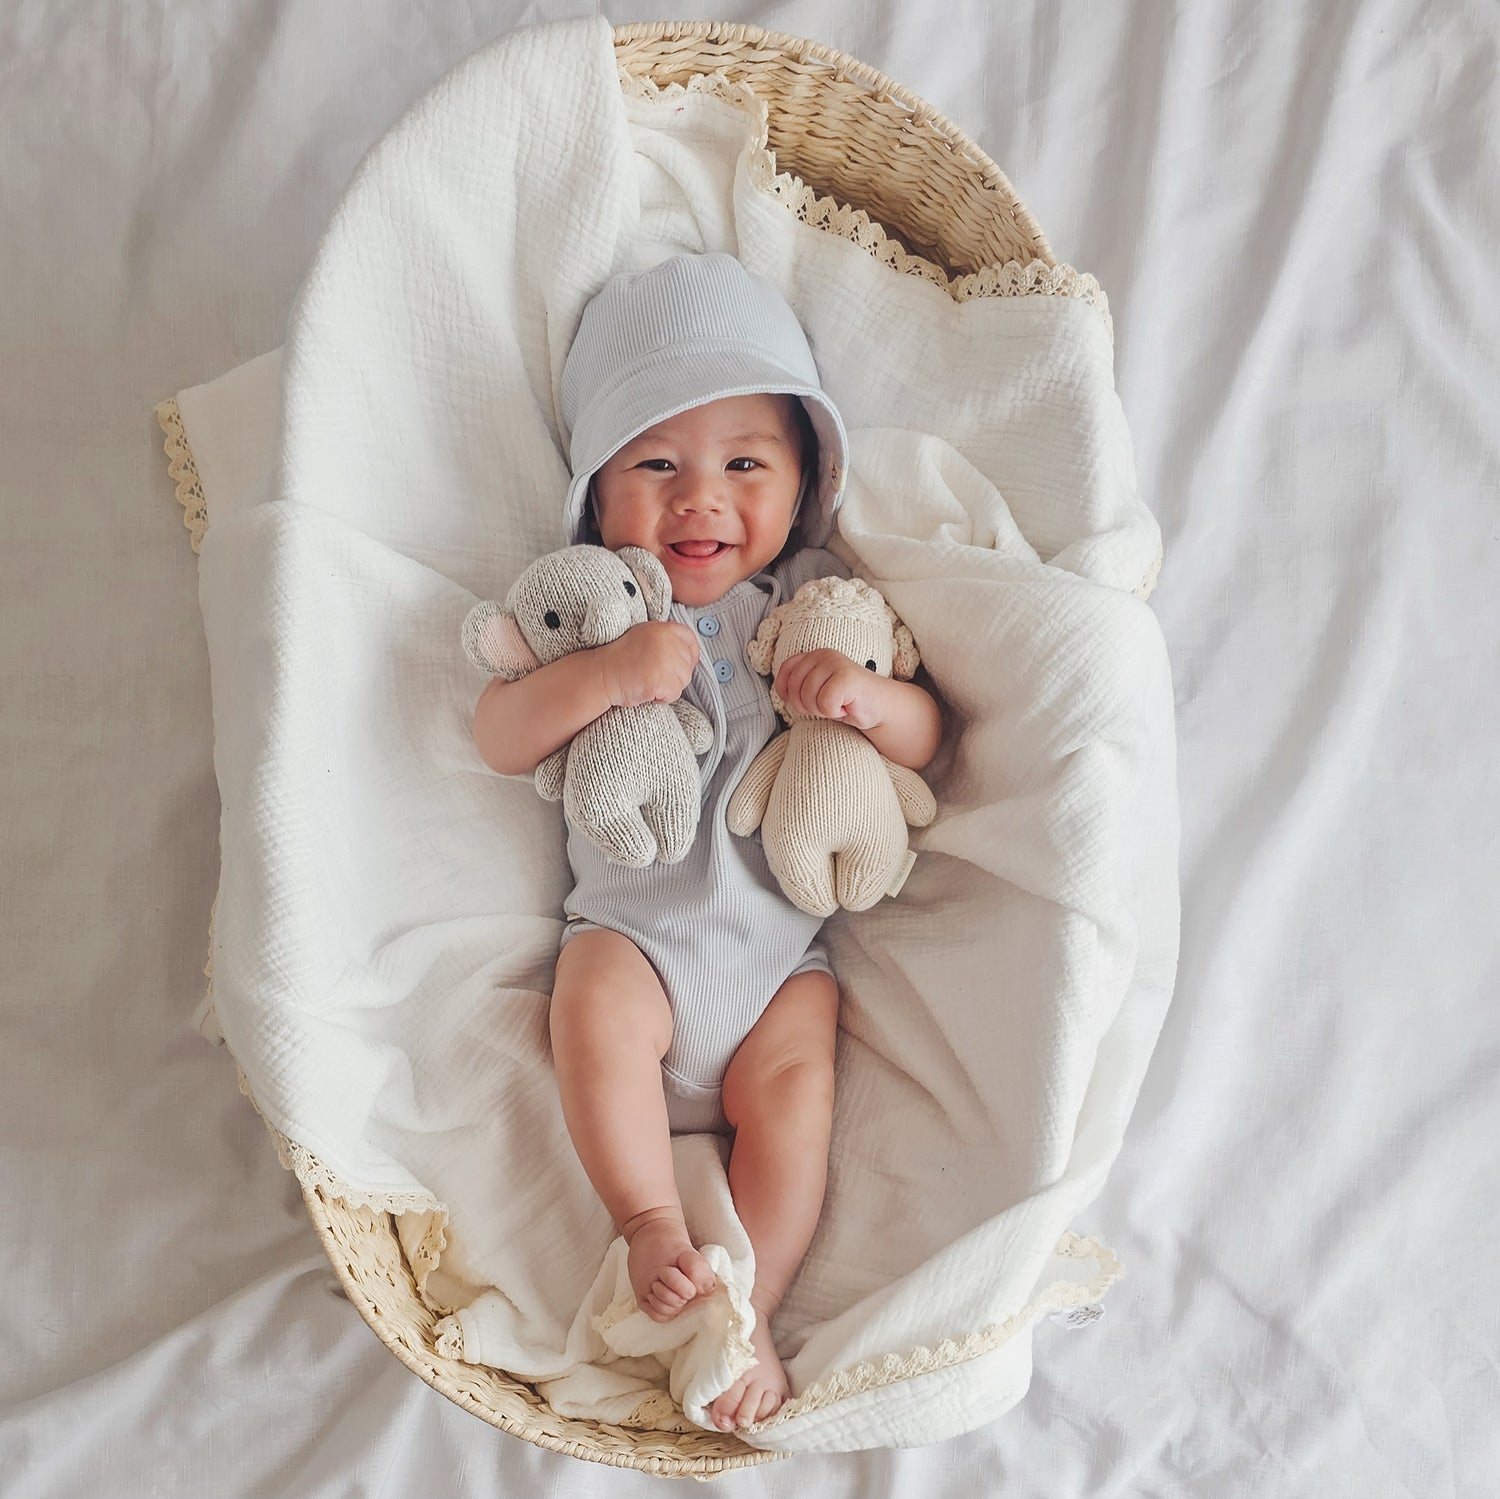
x: 695, y: 491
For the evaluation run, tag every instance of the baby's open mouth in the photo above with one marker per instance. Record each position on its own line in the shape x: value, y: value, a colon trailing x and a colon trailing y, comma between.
x: 699, y: 549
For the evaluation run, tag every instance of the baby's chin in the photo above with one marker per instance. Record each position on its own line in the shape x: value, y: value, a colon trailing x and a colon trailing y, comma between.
x: 696, y: 584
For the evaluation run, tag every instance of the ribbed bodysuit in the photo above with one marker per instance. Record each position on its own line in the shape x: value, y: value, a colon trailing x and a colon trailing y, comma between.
x: 715, y: 926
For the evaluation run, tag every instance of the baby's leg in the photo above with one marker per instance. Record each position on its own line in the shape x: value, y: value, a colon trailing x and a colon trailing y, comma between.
x: 778, y: 1095
x: 611, y: 1025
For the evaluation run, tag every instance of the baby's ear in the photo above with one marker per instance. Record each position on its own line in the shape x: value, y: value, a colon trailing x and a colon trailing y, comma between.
x: 493, y: 641
x: 905, y: 659
x: 656, y: 586
x: 762, y: 650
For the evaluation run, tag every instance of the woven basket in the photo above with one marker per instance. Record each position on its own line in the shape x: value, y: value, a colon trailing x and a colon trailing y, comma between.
x: 854, y: 136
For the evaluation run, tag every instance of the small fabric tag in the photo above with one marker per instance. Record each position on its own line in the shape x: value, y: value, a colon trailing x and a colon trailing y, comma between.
x: 901, y: 874
x: 1079, y: 1316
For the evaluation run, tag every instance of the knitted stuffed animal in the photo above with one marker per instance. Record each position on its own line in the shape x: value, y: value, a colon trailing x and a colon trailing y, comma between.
x: 628, y: 780
x: 832, y: 809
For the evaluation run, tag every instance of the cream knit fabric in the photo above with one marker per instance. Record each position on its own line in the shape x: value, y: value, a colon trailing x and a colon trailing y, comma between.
x: 629, y: 779
x: 832, y: 810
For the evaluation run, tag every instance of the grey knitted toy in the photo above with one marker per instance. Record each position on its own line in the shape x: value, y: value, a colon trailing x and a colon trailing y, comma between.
x: 628, y: 780
x: 831, y: 808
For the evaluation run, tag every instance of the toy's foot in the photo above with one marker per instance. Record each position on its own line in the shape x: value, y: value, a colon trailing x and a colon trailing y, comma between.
x: 759, y: 1392
x: 622, y: 838
x: 666, y: 1272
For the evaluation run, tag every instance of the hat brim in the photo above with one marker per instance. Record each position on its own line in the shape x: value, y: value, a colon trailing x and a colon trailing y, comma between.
x: 652, y: 390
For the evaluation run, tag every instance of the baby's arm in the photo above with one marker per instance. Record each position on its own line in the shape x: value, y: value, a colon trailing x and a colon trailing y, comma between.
x: 518, y: 724
x: 899, y: 718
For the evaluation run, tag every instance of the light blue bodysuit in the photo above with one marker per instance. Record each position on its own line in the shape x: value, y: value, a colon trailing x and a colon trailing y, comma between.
x: 715, y: 926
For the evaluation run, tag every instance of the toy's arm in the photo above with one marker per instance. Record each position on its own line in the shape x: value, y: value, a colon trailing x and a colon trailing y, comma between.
x: 918, y: 805
x: 751, y: 797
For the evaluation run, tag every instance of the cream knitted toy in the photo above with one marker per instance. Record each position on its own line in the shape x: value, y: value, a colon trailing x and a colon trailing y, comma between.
x: 628, y: 780
x: 832, y: 809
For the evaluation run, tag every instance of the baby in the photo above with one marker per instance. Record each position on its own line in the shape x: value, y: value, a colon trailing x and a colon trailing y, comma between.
x: 694, y: 996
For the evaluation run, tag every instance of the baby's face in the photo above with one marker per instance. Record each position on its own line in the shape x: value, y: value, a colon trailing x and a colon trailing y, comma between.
x: 710, y: 491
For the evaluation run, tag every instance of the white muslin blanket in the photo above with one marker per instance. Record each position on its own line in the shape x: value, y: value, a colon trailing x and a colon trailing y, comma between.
x: 389, y: 910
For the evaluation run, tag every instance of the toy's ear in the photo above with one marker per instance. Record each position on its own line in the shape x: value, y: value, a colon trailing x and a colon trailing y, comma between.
x: 656, y: 586
x: 762, y: 650
x: 904, y: 659
x: 493, y: 641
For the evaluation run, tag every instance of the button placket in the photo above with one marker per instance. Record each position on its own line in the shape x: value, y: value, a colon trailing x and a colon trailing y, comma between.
x: 719, y: 629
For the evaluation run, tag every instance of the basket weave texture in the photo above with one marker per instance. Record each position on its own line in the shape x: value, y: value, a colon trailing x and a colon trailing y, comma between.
x: 856, y: 137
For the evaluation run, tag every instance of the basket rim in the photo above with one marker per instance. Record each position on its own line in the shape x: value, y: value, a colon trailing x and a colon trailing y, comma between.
x: 317, y: 1204
x: 847, y: 68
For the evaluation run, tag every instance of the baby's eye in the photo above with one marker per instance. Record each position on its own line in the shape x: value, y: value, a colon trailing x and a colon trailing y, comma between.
x: 656, y: 465
x: 749, y: 463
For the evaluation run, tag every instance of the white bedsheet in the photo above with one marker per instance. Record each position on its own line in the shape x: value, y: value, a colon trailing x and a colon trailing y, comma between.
x: 1294, y: 215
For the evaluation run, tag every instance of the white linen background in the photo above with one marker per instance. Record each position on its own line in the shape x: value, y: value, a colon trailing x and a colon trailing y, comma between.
x: 1294, y: 214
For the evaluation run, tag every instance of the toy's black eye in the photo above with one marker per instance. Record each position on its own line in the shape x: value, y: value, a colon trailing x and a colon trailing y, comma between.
x: 551, y: 620
x: 871, y: 666
x: 630, y: 589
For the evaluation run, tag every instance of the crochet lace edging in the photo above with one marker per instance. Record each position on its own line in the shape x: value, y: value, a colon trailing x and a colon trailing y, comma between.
x: 658, y: 1412
x: 858, y: 1379
x: 183, y: 471
x: 311, y: 1172
x: 1149, y: 582
x: 448, y: 1338
x: 1012, y: 279
x: 872, y: 1374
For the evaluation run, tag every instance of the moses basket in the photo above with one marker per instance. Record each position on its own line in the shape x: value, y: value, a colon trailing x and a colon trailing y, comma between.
x: 874, y: 164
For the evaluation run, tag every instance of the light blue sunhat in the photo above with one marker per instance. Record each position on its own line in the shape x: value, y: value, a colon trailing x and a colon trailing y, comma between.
x: 690, y: 330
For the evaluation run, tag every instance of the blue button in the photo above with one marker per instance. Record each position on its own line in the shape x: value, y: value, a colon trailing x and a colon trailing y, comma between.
x: 723, y: 670
x: 708, y: 626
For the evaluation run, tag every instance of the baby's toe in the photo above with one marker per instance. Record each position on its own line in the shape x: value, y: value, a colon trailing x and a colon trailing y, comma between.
x: 723, y: 1409
x: 747, y: 1411
x: 770, y: 1402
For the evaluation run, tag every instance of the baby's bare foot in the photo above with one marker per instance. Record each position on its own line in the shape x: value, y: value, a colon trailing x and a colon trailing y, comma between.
x: 759, y: 1392
x: 666, y: 1271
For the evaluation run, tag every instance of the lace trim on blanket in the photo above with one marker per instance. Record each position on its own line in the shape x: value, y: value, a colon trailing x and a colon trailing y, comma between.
x: 311, y: 1172
x: 1009, y: 280
x: 614, y: 1314
x: 213, y: 917
x: 425, y: 1254
x: 183, y: 471
x: 658, y: 1412
x: 448, y: 1339
x: 1149, y: 582
x: 874, y: 1373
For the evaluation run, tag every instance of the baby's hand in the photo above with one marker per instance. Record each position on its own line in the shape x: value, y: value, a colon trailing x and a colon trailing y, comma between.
x: 649, y: 663
x: 827, y: 684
